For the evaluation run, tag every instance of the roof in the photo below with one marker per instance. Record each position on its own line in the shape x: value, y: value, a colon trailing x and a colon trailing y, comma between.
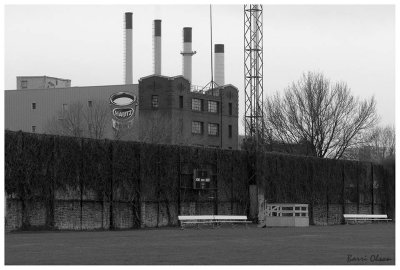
x: 72, y: 88
x: 44, y: 76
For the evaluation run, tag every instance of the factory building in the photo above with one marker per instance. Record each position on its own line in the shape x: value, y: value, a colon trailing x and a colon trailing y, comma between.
x: 163, y: 110
x: 40, y: 82
x: 168, y: 112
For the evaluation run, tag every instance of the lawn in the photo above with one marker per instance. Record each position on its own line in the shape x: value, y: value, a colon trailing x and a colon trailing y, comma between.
x: 329, y: 245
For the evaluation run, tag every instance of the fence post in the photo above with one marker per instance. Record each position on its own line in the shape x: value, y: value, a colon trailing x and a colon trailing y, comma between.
x: 372, y: 188
x: 179, y: 180
x: 311, y: 208
x: 24, y: 219
x: 110, y: 179
x: 139, y: 186
x: 358, y: 188
x: 231, y: 185
x: 216, y: 200
x: 80, y: 178
x: 327, y: 205
x: 158, y: 185
x: 51, y: 215
x: 343, y: 195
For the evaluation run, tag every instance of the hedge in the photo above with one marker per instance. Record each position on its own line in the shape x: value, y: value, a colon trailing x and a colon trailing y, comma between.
x: 41, y: 167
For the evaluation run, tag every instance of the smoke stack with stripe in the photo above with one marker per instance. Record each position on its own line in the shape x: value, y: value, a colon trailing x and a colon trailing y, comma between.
x: 128, y: 48
x: 157, y: 47
x: 187, y: 53
x: 219, y: 64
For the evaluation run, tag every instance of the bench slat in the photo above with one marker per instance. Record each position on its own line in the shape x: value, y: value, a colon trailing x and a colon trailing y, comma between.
x: 195, y: 217
x: 363, y: 216
x: 212, y: 219
x: 231, y: 217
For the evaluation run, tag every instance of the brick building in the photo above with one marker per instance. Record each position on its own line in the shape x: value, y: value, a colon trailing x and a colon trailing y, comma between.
x: 41, y: 82
x: 208, y: 118
x: 168, y: 111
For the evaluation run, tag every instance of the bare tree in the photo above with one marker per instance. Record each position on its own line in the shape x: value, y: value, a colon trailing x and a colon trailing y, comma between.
x: 75, y: 120
x: 381, y: 143
x: 161, y: 129
x: 324, y: 116
x: 69, y: 121
x: 97, y: 116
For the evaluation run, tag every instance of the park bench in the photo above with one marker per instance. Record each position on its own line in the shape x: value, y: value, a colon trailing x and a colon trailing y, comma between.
x: 364, y: 217
x: 212, y: 220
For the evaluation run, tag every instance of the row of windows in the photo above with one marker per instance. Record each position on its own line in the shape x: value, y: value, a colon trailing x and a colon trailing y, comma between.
x: 213, y: 129
x: 197, y: 104
x: 64, y: 106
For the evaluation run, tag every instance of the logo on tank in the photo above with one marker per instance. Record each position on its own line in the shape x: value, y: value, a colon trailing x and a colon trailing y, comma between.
x: 123, y: 106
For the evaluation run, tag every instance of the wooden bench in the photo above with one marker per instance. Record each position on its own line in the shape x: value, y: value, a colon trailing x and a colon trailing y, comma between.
x: 364, y: 217
x: 212, y: 220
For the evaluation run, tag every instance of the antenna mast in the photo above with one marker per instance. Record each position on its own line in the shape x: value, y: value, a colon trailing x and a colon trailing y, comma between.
x: 212, y: 84
x: 253, y: 73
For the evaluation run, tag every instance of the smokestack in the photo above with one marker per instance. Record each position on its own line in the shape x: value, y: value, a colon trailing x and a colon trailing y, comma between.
x: 187, y: 53
x: 128, y: 48
x: 157, y: 47
x: 219, y: 64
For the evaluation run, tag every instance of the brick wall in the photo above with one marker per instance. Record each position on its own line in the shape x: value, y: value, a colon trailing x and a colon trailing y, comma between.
x: 95, y: 215
x: 13, y: 214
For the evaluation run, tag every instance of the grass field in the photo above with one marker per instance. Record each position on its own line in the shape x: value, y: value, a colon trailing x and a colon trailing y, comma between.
x: 329, y: 245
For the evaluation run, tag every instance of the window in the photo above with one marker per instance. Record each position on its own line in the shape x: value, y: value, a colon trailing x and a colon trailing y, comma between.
x: 230, y: 131
x: 33, y: 106
x: 89, y: 103
x: 196, y: 104
x: 212, y: 129
x: 24, y: 84
x: 154, y: 101
x: 212, y: 106
x: 181, y: 102
x: 64, y: 110
x: 65, y: 107
x: 197, y: 127
x: 33, y: 129
x: 230, y: 108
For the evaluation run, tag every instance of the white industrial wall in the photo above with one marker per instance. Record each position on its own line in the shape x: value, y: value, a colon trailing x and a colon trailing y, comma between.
x: 19, y: 114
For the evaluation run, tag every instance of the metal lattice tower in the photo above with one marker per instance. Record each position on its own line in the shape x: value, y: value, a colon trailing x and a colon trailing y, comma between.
x: 253, y: 72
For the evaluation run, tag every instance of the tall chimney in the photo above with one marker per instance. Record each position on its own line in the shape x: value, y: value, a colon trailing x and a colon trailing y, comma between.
x: 128, y: 48
x: 219, y: 64
x: 187, y: 53
x: 157, y: 47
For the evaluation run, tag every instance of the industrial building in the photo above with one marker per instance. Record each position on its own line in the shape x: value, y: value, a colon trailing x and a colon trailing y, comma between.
x: 166, y: 109
x: 41, y: 82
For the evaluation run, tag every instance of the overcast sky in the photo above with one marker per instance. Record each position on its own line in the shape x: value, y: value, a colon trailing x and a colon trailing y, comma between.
x: 354, y: 44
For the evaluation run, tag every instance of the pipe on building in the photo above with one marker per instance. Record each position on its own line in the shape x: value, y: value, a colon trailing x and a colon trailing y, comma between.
x: 219, y: 64
x: 187, y: 53
x: 157, y: 47
x: 128, y: 48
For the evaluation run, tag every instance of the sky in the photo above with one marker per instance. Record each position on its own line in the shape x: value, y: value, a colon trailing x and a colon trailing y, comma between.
x: 350, y: 43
